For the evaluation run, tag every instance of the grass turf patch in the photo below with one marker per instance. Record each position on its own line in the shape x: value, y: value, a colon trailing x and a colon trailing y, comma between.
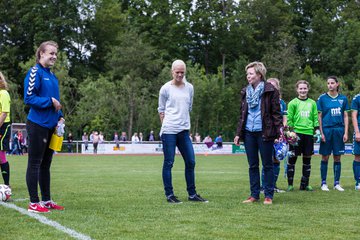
x: 121, y: 197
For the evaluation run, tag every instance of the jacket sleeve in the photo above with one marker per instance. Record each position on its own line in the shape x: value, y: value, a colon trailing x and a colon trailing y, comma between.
x: 242, y: 116
x: 32, y: 85
x: 276, y: 112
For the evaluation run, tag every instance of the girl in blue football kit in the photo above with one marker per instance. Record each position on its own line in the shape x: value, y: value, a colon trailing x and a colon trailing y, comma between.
x: 41, y: 94
x: 334, y: 124
x: 355, y: 116
x: 276, y: 83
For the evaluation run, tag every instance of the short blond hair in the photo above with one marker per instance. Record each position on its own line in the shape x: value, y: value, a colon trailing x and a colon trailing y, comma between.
x: 3, y: 83
x: 178, y: 62
x: 276, y: 82
x: 259, y: 68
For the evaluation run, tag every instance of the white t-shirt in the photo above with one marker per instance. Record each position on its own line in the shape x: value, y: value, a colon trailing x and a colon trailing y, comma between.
x: 176, y: 103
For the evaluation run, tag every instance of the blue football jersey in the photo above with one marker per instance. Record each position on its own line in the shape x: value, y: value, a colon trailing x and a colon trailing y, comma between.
x: 332, y: 109
x: 355, y: 105
x: 283, y: 107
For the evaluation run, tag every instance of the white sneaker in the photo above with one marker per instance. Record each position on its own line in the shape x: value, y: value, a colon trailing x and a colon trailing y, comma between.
x: 339, y: 188
x: 325, y: 187
x: 357, y: 187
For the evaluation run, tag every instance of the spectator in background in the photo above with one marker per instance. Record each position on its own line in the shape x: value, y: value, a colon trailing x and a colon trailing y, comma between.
x: 92, y: 136
x: 101, y: 137
x: 208, y: 141
x: 197, y: 138
x: 21, y: 139
x: 15, y: 144
x: 135, y: 138
x: 191, y: 137
x: 123, y: 137
x: 85, y: 139
x: 151, y: 136
x: 70, y: 140
x: 24, y: 144
x: 95, y: 141
x: 140, y: 137
x: 219, y: 141
x: 116, y: 139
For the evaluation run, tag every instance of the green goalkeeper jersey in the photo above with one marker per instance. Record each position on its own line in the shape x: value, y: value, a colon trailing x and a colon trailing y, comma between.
x: 302, y: 115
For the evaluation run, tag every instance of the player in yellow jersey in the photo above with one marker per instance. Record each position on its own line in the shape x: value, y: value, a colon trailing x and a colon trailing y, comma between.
x: 4, y: 129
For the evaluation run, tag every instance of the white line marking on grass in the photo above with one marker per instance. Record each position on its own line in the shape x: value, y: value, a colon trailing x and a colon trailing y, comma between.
x: 19, y: 199
x: 47, y: 221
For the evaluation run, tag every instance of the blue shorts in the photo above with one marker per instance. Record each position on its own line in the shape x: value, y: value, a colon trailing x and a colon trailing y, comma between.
x: 356, y: 146
x: 334, y: 141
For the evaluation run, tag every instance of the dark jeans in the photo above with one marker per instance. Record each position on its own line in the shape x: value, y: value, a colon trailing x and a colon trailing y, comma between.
x: 184, y: 144
x: 39, y: 161
x: 254, y: 144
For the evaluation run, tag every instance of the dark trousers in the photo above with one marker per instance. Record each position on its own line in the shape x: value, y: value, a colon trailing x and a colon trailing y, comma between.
x: 39, y: 161
x: 254, y: 144
x: 184, y: 144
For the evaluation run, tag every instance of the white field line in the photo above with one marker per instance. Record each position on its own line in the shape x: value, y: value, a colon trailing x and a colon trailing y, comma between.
x: 46, y: 221
x: 19, y: 199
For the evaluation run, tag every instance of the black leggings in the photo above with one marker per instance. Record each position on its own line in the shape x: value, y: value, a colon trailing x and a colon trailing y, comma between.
x: 39, y: 161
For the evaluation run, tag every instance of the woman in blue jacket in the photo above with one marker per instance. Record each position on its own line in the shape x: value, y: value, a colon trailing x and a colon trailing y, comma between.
x: 41, y: 94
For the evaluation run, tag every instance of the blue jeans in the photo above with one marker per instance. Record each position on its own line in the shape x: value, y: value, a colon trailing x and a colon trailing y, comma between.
x: 254, y: 144
x: 184, y: 144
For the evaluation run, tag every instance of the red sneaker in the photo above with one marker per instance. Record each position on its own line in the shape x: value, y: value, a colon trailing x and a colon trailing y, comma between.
x: 250, y: 200
x: 268, y: 201
x: 52, y: 205
x: 38, y: 208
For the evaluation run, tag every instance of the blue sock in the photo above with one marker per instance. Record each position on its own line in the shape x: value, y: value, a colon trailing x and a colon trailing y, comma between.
x: 356, y: 168
x: 276, y: 172
x: 337, y: 172
x: 323, y: 171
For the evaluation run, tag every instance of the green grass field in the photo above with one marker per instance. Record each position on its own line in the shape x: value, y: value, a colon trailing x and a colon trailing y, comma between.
x: 121, y: 197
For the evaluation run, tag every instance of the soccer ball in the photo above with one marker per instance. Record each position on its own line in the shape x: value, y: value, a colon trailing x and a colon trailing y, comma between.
x: 5, y: 192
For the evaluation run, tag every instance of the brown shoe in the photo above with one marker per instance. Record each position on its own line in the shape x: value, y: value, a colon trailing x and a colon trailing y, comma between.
x: 268, y: 201
x: 250, y: 200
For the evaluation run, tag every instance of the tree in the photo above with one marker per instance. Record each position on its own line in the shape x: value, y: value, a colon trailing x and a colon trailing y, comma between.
x: 100, y: 107
x: 107, y: 24
x: 25, y: 24
x: 134, y: 65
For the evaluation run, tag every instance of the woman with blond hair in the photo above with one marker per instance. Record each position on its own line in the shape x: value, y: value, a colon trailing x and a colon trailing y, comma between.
x: 259, y: 125
x: 42, y: 95
x: 4, y: 129
x: 175, y: 104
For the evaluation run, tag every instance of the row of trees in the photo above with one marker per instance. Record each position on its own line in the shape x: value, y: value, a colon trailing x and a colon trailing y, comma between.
x: 116, y: 54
